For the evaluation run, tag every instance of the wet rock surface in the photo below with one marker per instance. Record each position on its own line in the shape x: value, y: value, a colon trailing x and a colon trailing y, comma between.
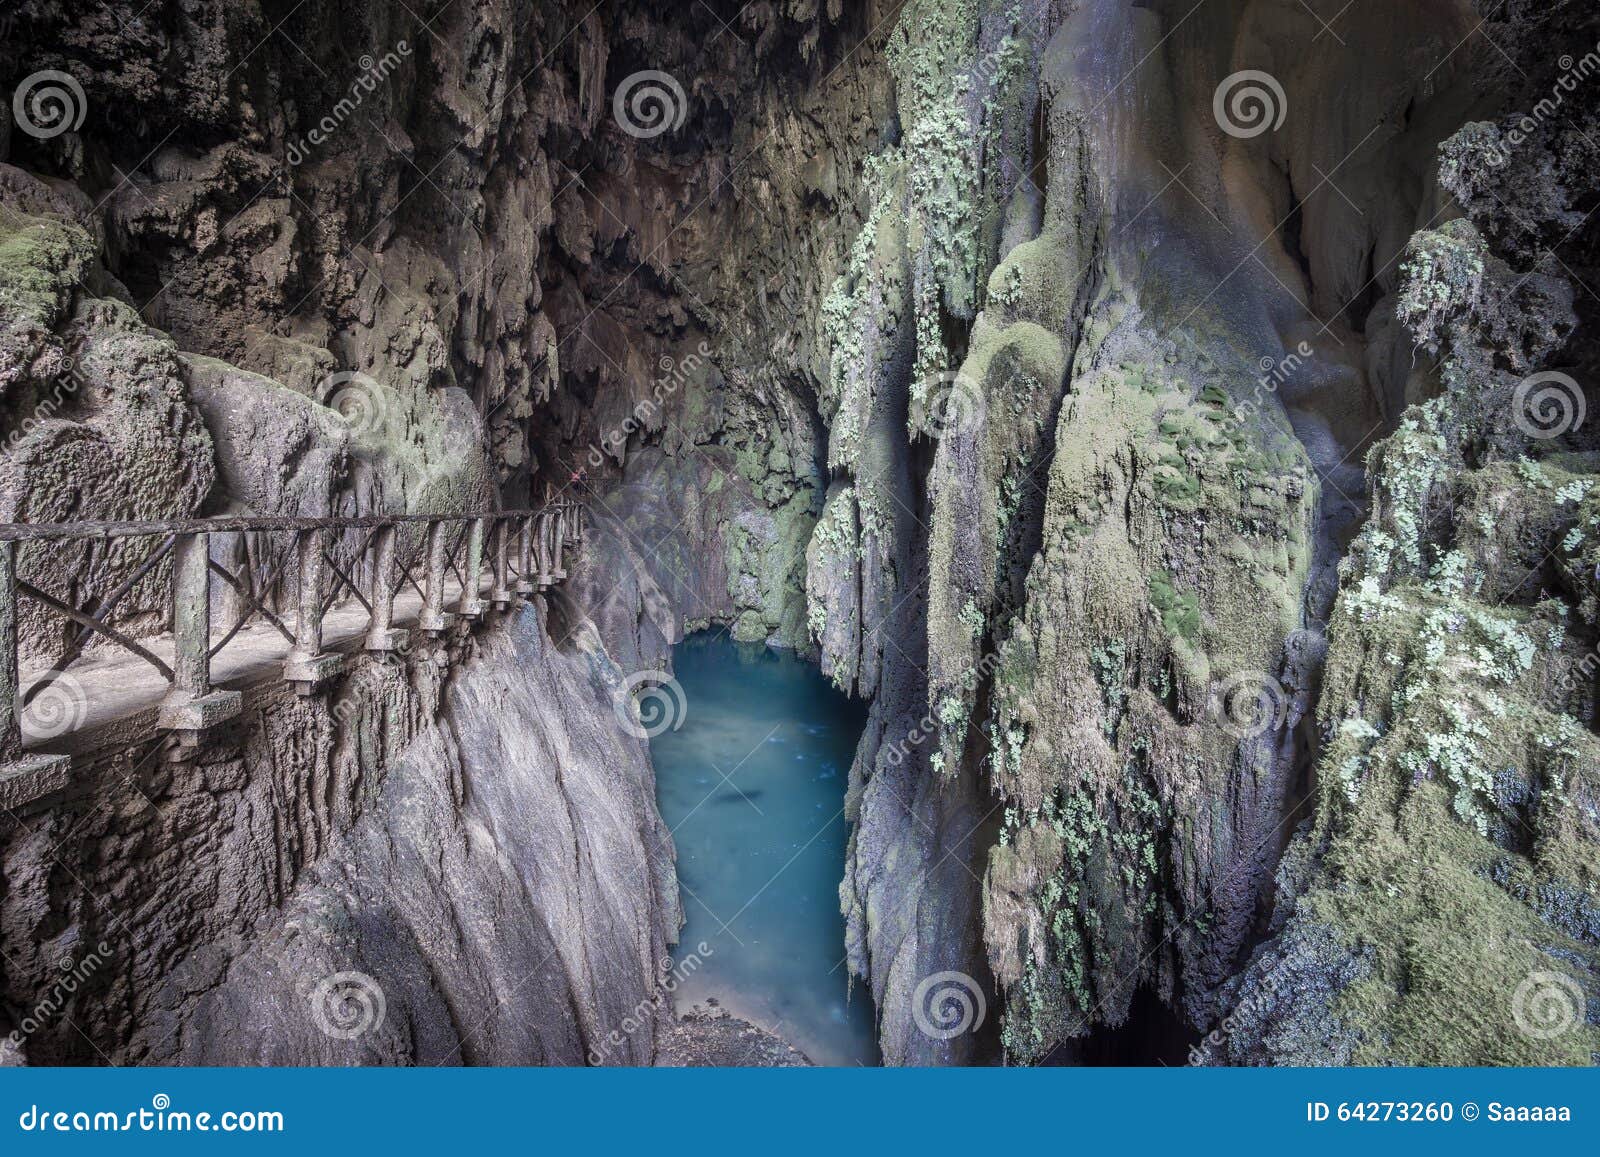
x: 507, y: 889
x: 712, y: 1040
x: 1169, y: 491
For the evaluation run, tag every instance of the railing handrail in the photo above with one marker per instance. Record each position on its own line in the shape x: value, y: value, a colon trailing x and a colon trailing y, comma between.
x: 57, y: 531
x: 193, y: 704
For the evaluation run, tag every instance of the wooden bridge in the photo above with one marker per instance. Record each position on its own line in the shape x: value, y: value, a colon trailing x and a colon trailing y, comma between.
x: 447, y: 560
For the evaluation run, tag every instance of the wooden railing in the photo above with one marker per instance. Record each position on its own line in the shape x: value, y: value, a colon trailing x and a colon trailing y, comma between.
x: 521, y: 549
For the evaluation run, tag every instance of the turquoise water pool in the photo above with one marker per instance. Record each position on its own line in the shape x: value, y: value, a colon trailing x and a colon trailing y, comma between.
x: 752, y: 786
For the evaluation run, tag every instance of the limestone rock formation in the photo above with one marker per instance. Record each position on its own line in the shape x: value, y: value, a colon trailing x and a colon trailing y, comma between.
x: 1170, y: 426
x: 508, y: 888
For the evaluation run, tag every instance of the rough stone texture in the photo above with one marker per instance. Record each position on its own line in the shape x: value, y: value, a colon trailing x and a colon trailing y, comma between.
x: 362, y: 334
x: 1185, y: 552
x: 497, y: 870
x: 1444, y: 900
x: 508, y: 886
x: 702, y: 1040
x: 100, y: 422
x: 764, y: 335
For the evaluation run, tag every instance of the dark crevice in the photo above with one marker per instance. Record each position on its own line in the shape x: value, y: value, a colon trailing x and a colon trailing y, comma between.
x: 1152, y: 1035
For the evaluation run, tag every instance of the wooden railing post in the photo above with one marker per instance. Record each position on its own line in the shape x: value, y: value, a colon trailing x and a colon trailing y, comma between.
x: 382, y: 634
x: 546, y: 579
x: 525, y: 555
x: 306, y: 664
x: 471, y: 606
x: 434, y: 617
x: 534, y: 561
x: 500, y: 593
x: 23, y: 777
x: 192, y: 706
x: 558, y: 543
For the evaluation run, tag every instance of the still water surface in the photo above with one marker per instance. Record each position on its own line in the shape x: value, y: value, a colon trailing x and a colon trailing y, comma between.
x: 752, y: 786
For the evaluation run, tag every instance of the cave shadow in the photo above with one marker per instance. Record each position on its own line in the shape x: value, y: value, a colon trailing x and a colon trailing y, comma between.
x: 1152, y: 1035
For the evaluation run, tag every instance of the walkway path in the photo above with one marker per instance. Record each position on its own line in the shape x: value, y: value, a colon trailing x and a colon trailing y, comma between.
x: 192, y: 677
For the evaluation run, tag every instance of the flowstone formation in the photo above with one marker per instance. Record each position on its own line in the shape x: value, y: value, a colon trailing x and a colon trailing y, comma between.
x: 1142, y: 354
x: 1442, y: 907
x: 331, y: 262
x: 1172, y: 425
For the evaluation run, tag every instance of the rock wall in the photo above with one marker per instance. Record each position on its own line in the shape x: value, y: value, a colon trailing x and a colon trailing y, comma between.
x: 1441, y: 907
x: 268, y: 277
x: 481, y: 860
x: 381, y: 258
x: 1101, y: 425
x: 1146, y: 730
x: 1155, y: 474
x: 508, y: 888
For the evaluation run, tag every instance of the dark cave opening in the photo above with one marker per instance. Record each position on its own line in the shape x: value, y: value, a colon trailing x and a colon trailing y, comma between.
x: 1152, y: 1035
